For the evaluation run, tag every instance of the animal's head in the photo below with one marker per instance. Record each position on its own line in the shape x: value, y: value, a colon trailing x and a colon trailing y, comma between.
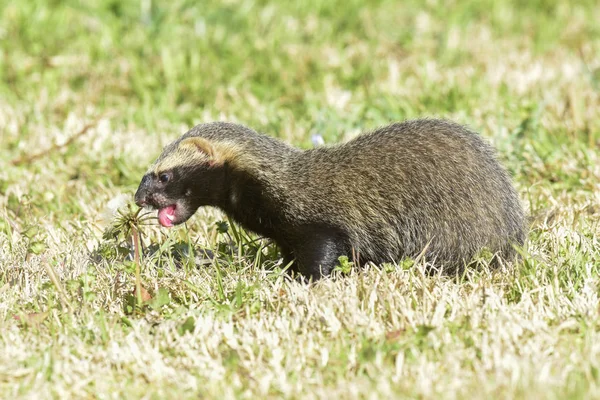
x: 188, y: 174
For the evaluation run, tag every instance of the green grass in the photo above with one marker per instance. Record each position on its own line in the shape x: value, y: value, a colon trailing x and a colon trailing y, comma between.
x: 525, y: 75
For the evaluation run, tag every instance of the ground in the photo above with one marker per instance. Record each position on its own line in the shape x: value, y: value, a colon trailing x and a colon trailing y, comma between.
x: 90, y: 91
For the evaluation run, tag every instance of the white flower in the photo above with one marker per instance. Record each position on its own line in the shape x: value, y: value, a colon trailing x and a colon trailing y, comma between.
x: 317, y: 140
x: 113, y: 206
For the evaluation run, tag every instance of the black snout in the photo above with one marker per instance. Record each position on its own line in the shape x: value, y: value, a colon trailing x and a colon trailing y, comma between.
x: 141, y: 196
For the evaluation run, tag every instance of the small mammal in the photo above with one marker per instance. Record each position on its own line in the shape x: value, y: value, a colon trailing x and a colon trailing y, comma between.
x: 423, y: 186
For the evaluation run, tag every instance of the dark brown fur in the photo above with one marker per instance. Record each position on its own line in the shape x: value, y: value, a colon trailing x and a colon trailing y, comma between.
x: 420, y: 185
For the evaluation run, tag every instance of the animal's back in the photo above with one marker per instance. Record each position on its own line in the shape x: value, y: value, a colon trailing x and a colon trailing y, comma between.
x: 409, y: 186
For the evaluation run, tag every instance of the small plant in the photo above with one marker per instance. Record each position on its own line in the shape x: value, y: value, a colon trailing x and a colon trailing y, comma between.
x: 344, y: 265
x: 125, y: 233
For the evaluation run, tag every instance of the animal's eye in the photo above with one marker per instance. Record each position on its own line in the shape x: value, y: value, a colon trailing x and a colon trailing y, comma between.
x: 163, y: 178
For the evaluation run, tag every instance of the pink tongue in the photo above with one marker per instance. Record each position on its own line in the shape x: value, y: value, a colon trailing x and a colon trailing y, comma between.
x: 163, y: 215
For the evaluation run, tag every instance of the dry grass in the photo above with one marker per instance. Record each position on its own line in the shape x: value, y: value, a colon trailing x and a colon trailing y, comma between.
x: 237, y: 326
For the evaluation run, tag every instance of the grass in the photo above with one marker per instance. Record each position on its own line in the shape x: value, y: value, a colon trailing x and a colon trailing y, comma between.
x: 140, y: 73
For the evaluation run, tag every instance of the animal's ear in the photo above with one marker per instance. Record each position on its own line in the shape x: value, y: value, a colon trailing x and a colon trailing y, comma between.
x: 203, y: 146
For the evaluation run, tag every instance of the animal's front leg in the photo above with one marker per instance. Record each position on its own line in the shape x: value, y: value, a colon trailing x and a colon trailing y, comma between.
x: 318, y: 252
